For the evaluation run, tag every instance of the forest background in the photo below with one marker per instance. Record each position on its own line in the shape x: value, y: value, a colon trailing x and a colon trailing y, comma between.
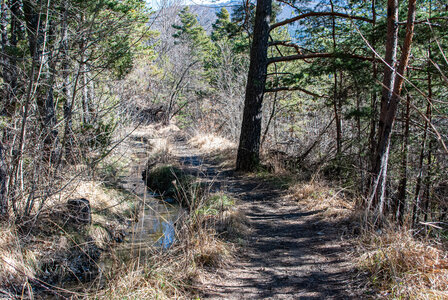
x: 352, y: 91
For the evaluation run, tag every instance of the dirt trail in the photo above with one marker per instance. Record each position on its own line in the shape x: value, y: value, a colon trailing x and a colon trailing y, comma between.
x: 290, y: 253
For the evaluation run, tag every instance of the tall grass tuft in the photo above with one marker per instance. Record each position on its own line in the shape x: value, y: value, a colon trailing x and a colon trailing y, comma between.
x: 404, y: 267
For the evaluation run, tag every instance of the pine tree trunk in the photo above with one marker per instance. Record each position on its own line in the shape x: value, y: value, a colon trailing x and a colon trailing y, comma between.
x: 379, y: 165
x: 336, y: 100
x: 373, y: 99
x: 389, y: 105
x: 248, y: 150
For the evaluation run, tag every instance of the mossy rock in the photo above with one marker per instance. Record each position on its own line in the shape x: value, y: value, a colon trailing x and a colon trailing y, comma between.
x: 169, y: 181
x: 164, y: 179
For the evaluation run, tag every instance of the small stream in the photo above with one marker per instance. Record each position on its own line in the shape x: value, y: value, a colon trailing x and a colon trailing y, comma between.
x: 157, y: 220
x: 155, y: 227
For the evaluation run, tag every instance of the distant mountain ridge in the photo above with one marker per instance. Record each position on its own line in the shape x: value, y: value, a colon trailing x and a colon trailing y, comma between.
x: 207, y: 13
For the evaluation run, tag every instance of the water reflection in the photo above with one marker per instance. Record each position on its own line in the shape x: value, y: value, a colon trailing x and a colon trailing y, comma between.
x: 156, y: 225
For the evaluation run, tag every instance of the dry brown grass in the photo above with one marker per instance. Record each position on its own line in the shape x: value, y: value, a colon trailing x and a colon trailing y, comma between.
x: 161, y: 150
x: 233, y: 224
x: 23, y: 254
x: 169, y: 273
x: 321, y: 197
x: 17, y: 265
x: 216, y: 148
x: 157, y: 275
x: 400, y: 265
x: 211, y: 143
x: 403, y: 267
x: 172, y: 273
x: 154, y: 131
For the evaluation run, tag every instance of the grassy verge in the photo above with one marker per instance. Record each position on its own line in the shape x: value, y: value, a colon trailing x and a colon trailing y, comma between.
x: 398, y: 264
x: 203, y: 237
x: 402, y: 266
x: 174, y: 272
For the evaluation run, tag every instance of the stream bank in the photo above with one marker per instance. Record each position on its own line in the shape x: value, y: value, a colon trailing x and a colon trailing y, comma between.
x: 136, y: 243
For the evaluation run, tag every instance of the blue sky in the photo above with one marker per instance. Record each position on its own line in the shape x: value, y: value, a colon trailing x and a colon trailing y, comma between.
x: 153, y: 3
x: 207, y: 1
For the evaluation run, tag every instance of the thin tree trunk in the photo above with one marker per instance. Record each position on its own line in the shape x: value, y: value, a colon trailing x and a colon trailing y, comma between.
x: 388, y: 110
x: 418, y: 184
x: 4, y: 205
x: 399, y: 205
x: 10, y: 73
x: 4, y: 45
x: 426, y: 193
x: 359, y: 138
x: 379, y: 165
x: 50, y: 121
x: 336, y: 100
x: 7, y: 62
x: 249, y: 147
x: 373, y: 99
x: 85, y: 84
x: 67, y: 139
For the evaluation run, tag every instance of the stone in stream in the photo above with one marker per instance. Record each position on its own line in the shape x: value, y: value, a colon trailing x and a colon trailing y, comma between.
x: 163, y: 180
x: 79, y: 211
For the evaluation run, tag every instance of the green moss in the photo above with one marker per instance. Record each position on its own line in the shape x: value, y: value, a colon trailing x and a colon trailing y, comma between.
x: 215, y: 204
x: 165, y: 179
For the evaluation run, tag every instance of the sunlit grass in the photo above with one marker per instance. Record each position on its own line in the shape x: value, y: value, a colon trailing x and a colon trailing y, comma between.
x: 402, y: 266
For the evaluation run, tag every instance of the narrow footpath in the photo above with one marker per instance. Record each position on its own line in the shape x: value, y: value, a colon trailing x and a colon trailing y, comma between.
x: 290, y: 253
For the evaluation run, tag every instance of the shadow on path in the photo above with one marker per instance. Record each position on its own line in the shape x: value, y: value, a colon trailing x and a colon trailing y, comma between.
x: 291, y: 253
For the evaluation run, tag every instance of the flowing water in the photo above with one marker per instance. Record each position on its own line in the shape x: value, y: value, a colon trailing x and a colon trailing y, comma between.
x: 155, y: 226
x: 157, y: 220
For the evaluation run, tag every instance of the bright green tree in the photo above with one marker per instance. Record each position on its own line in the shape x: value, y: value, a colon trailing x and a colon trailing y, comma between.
x: 189, y: 31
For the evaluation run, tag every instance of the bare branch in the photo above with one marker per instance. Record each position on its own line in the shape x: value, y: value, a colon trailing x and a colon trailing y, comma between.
x: 317, y: 55
x: 318, y: 14
x: 294, y: 88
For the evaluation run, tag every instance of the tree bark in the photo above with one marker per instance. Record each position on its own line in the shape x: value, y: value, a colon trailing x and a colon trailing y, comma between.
x: 418, y: 184
x: 373, y: 100
x: 336, y: 100
x: 68, y: 101
x: 426, y: 192
x: 3, y: 194
x: 389, y: 101
x: 8, y: 62
x: 248, y: 150
x: 399, y: 203
x: 379, y: 164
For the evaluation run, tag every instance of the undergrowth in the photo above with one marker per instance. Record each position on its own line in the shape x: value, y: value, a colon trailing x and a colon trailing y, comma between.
x: 398, y: 264
x: 402, y: 266
x: 174, y: 272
